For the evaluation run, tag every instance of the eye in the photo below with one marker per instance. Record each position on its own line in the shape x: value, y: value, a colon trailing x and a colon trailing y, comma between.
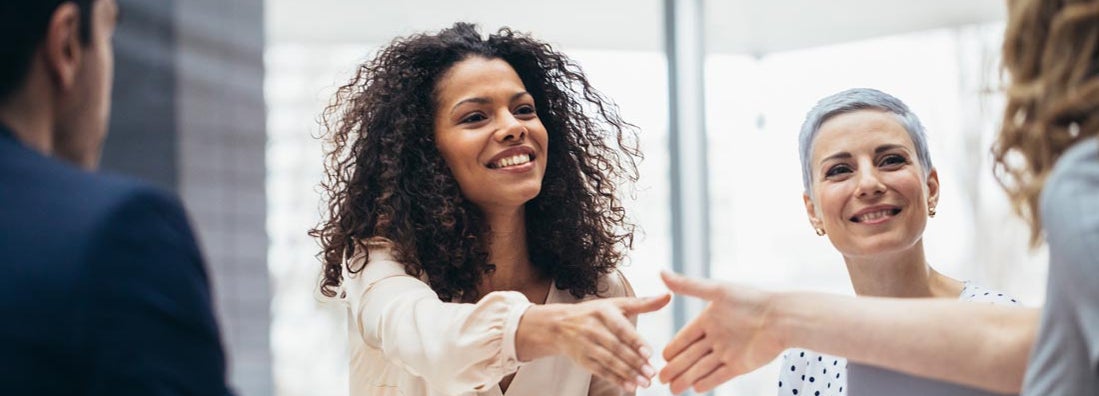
x: 838, y: 169
x: 527, y: 110
x: 472, y: 118
x: 892, y: 161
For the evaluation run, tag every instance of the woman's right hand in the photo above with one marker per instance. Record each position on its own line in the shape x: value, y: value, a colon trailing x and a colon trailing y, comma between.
x: 729, y: 337
x: 596, y: 334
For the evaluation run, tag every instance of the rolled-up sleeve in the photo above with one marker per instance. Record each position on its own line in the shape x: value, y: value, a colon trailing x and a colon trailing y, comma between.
x: 454, y: 347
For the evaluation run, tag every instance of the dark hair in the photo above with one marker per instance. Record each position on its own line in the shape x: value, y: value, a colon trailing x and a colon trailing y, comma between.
x: 387, y: 184
x: 23, y: 25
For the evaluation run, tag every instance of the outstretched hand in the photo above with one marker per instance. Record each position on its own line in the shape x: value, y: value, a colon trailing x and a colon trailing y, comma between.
x: 727, y: 339
x: 599, y: 336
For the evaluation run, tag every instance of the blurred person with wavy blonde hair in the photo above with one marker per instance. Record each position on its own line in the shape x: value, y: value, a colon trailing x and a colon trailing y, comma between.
x: 1047, y: 158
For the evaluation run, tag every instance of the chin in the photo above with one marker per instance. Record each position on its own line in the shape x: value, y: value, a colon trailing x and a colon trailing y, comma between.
x: 883, y: 245
x: 530, y: 195
x: 513, y: 198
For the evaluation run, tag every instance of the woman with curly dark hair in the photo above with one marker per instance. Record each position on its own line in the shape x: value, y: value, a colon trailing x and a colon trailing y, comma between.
x: 473, y: 225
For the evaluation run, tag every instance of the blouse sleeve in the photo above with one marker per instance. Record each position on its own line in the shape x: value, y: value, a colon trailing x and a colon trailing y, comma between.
x: 455, y: 348
x: 615, y: 285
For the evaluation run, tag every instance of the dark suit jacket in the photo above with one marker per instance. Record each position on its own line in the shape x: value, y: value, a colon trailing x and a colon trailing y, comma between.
x: 103, y: 290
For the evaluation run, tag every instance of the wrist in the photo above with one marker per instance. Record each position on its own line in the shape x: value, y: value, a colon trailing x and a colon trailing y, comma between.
x: 779, y: 308
x: 537, y: 332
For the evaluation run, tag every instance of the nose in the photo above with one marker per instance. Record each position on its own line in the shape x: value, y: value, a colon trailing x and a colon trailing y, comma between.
x: 511, y: 130
x: 869, y: 183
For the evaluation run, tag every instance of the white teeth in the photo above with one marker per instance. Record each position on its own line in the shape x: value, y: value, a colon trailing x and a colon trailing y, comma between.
x: 512, y: 161
x: 875, y: 215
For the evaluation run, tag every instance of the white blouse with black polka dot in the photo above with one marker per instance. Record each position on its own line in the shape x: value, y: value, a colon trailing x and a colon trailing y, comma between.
x: 807, y: 373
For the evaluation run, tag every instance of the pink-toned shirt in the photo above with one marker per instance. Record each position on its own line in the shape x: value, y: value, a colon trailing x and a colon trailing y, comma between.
x: 405, y: 341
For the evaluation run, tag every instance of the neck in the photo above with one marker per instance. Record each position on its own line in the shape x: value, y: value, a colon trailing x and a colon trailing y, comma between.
x: 28, y: 123
x: 904, y: 274
x: 507, y: 249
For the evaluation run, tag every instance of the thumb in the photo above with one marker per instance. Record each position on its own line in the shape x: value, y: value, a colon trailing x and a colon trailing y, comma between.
x: 633, y: 305
x: 701, y: 288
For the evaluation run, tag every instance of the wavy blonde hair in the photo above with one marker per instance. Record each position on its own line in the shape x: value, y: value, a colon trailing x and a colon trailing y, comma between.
x: 1051, y: 56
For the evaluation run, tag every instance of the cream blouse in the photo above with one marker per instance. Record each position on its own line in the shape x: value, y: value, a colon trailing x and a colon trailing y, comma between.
x: 405, y: 341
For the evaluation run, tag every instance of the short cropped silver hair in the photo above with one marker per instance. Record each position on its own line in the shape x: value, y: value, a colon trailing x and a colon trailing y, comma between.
x: 853, y: 100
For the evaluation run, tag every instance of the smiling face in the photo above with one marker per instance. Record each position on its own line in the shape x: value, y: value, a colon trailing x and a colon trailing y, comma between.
x: 869, y: 192
x: 488, y: 132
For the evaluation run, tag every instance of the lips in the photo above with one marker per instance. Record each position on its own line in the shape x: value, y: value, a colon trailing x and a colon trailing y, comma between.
x: 875, y: 214
x: 516, y: 156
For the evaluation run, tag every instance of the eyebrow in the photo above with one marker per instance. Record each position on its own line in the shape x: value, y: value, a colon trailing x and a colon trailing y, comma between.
x: 482, y: 100
x: 843, y: 155
x: 886, y: 147
x: 880, y: 149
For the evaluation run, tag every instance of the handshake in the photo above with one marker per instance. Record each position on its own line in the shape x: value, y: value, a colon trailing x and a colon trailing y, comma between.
x: 726, y: 340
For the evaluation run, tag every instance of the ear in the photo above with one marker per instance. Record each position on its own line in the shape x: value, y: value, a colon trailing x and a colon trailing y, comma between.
x: 62, y: 48
x: 811, y: 211
x: 933, y: 188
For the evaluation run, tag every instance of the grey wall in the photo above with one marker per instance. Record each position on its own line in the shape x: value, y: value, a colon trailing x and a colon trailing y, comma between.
x: 189, y: 115
x: 142, y: 139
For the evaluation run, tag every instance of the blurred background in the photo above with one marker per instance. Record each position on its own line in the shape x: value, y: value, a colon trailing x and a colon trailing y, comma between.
x: 219, y: 101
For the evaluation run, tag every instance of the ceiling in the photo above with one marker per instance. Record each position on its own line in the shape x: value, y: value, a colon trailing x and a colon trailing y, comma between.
x: 732, y: 26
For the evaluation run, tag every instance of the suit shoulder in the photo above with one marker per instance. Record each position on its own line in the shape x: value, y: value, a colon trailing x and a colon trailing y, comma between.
x: 42, y: 187
x: 119, y: 204
x: 51, y: 201
x: 113, y: 191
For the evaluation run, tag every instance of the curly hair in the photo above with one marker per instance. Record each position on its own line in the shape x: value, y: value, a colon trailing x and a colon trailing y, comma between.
x: 386, y: 183
x: 1051, y: 54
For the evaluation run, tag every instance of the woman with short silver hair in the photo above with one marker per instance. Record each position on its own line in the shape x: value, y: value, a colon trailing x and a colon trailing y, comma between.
x: 1047, y: 158
x: 870, y: 188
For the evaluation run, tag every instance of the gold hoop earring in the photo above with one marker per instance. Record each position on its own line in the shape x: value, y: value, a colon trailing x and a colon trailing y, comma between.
x: 931, y: 211
x: 820, y: 231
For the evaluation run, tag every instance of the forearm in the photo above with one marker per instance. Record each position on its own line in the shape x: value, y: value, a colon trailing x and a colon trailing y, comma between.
x: 978, y: 345
x: 536, y: 334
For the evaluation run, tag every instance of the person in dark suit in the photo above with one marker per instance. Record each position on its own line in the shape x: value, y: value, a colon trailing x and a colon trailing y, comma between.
x: 103, y: 289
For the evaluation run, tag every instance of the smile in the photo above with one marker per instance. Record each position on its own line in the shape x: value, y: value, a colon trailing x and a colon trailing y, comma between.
x: 515, y: 160
x: 875, y: 216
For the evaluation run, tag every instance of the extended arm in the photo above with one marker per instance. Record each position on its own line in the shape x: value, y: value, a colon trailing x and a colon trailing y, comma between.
x: 979, y: 345
x: 463, y: 347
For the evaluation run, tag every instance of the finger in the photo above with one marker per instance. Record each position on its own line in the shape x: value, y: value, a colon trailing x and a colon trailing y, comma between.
x: 602, y: 372
x: 622, y: 328
x: 629, y: 346
x: 701, y: 367
x: 704, y: 289
x: 682, y: 363
x: 608, y: 366
x: 634, y: 306
x: 624, y: 345
x: 688, y: 335
x: 719, y: 376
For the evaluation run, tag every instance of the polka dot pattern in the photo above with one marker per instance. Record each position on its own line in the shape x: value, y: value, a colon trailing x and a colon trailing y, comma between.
x: 809, y: 373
